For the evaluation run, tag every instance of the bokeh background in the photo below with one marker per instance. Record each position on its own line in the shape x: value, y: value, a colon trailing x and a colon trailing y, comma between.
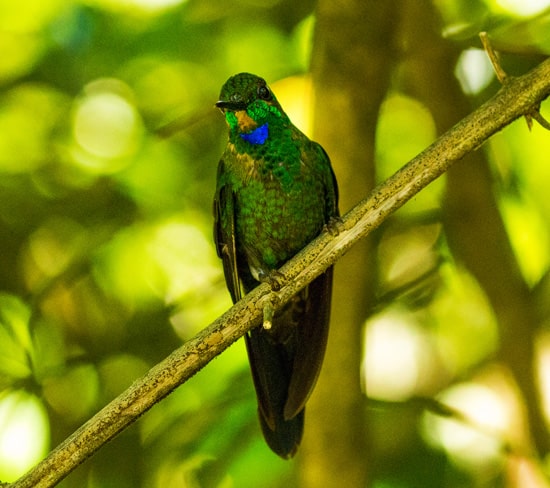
x: 438, y: 368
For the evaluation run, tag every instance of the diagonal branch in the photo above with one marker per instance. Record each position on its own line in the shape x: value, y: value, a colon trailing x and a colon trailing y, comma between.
x: 519, y: 96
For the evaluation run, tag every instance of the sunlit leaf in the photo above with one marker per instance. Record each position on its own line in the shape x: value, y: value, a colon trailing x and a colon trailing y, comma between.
x: 24, y: 433
x: 15, y: 339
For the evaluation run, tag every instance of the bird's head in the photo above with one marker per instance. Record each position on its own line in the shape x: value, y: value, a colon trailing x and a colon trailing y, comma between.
x: 248, y: 103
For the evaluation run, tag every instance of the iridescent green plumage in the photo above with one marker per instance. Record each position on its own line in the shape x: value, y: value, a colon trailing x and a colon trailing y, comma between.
x: 275, y: 192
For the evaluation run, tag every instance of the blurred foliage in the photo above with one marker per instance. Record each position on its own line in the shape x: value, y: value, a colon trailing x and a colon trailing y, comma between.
x: 108, y: 151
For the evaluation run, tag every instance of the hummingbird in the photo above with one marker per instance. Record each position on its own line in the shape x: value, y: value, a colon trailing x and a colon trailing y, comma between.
x: 275, y: 192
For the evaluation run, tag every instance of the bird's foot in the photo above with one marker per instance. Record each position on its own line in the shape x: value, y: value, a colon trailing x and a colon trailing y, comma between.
x: 334, y: 225
x: 275, y: 279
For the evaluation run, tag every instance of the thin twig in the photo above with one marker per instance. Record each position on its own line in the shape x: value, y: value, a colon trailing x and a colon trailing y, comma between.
x: 493, y: 57
x: 519, y: 96
x: 540, y: 119
x: 503, y: 78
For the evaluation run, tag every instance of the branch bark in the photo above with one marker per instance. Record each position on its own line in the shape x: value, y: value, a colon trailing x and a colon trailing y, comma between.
x: 519, y: 96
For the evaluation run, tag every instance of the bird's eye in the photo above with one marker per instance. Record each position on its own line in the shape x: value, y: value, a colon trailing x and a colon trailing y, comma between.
x: 264, y: 93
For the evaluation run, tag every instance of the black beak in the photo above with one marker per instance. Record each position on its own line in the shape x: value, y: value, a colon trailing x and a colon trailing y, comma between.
x: 232, y: 106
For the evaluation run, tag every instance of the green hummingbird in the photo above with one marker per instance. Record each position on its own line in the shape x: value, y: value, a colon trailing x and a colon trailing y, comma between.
x: 275, y: 193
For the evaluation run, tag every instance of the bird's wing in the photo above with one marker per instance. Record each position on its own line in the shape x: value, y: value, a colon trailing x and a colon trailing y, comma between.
x: 224, y: 232
x: 331, y: 189
x: 314, y: 322
x: 310, y: 344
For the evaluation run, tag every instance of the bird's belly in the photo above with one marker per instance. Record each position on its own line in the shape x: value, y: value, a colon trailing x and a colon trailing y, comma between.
x: 276, y: 227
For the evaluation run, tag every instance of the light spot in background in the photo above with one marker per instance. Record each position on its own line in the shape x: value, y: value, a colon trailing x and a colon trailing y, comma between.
x: 295, y: 95
x: 29, y: 16
x: 527, y: 231
x: 259, y: 41
x: 19, y: 54
x: 524, y: 8
x: 24, y: 434
x: 168, y: 259
x: 543, y: 365
x: 151, y: 6
x: 459, y: 313
x: 103, y: 125
x: 405, y: 128
x: 183, y: 259
x: 106, y: 125
x: 53, y: 246
x: 31, y: 115
x: 474, y: 70
x: 404, y: 256
x: 478, y: 440
x: 164, y: 88
x: 392, y: 365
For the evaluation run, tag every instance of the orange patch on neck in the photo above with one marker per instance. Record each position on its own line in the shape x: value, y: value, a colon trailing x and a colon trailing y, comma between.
x: 246, y: 123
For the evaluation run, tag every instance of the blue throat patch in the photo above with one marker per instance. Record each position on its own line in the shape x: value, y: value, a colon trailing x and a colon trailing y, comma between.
x: 257, y: 136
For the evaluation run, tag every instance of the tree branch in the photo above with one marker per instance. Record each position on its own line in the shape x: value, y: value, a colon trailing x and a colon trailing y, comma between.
x: 519, y: 96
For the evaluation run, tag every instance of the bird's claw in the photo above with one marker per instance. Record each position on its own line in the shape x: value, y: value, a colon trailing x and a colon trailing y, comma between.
x: 275, y: 279
x: 334, y: 225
